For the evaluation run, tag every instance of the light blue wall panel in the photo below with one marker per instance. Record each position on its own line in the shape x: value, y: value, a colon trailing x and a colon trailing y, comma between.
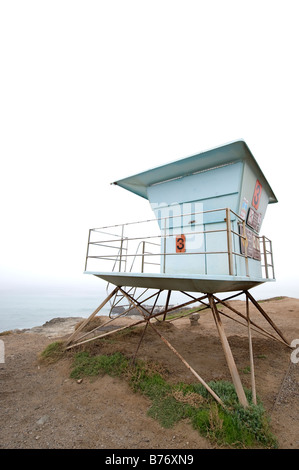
x: 208, y: 190
x: 216, y: 241
x: 201, y: 186
x: 191, y: 261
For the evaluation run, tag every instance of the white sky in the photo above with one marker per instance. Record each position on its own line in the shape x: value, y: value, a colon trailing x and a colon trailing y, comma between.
x: 94, y: 91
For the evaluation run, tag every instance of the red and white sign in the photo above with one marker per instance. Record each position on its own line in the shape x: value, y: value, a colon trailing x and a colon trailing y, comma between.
x: 257, y: 194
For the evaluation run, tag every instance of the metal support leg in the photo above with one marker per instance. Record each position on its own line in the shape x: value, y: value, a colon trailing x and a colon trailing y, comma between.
x: 228, y: 354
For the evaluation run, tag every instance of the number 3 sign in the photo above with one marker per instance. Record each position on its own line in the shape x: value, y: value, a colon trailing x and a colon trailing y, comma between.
x: 180, y: 244
x: 257, y: 194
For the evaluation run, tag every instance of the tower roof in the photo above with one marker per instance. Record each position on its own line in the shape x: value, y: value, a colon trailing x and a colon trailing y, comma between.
x: 213, y: 158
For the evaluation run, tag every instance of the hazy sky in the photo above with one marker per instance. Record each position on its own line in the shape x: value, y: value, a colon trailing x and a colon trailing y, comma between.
x: 94, y: 91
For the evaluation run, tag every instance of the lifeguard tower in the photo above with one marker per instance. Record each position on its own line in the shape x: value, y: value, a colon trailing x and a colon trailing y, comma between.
x: 204, y: 238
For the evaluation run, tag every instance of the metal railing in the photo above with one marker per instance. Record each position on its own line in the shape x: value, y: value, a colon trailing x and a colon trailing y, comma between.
x: 267, y: 257
x: 143, y: 244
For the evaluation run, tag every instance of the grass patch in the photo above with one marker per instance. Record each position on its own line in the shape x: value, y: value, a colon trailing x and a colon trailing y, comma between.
x: 272, y: 298
x: 168, y: 411
x: 262, y: 356
x: 53, y: 352
x: 234, y: 426
x: 186, y: 312
x: 87, y: 365
x: 91, y: 325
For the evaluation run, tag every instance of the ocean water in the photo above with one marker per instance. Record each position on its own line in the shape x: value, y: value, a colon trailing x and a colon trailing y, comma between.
x: 18, y: 311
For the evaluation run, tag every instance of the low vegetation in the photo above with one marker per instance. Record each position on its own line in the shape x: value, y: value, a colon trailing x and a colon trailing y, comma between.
x: 233, y: 426
x: 6, y: 333
x: 281, y: 297
x: 52, y: 353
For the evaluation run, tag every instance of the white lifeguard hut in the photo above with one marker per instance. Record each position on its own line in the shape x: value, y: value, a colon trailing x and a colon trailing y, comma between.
x: 204, y: 238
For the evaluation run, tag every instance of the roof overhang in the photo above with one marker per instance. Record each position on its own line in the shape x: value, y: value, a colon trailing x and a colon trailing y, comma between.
x: 213, y: 158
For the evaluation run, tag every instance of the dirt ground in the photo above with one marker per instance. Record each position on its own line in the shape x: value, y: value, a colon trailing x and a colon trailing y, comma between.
x: 42, y: 407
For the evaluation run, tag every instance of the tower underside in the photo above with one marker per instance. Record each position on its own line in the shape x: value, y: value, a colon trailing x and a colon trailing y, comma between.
x: 206, y: 284
x: 148, y: 316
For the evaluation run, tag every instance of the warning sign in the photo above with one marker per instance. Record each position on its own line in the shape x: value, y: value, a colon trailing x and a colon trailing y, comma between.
x: 252, y: 244
x: 257, y: 194
x: 254, y: 219
x: 244, y: 209
x: 180, y: 244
